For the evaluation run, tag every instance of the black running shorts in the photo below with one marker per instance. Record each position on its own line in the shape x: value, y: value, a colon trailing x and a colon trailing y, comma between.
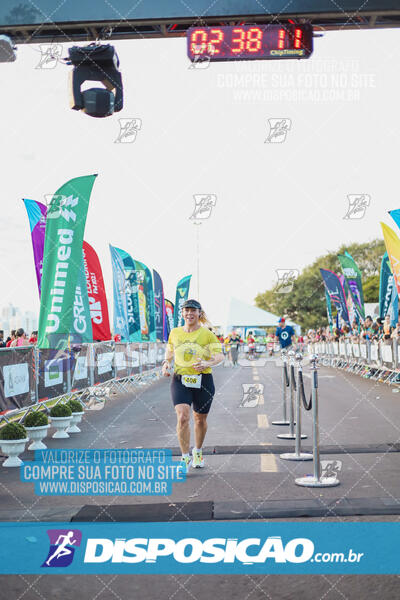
x: 199, y: 398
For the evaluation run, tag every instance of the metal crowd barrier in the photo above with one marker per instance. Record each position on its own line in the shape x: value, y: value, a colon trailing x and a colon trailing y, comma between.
x: 91, y: 372
x: 376, y: 360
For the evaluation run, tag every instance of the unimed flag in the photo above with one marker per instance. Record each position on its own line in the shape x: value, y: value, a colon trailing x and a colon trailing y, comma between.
x: 62, y: 312
x: 182, y: 293
x: 96, y: 294
x: 37, y: 223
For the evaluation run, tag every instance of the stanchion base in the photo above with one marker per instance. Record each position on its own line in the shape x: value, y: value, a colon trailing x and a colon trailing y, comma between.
x: 281, y: 423
x: 290, y: 436
x: 293, y: 456
x: 313, y: 482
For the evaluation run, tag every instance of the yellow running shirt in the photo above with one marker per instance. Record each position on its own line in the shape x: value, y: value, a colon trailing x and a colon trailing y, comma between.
x: 188, y: 348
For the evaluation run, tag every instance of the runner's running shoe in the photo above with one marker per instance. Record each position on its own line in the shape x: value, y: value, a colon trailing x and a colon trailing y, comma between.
x: 198, y: 460
x: 185, y: 463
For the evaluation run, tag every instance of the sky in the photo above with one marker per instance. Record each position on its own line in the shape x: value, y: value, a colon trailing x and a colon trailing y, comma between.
x: 204, y: 131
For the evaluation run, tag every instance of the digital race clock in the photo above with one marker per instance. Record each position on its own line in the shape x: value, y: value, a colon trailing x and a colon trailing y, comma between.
x: 246, y: 42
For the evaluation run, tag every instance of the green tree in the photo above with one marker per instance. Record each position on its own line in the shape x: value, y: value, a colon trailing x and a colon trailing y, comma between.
x: 306, y: 304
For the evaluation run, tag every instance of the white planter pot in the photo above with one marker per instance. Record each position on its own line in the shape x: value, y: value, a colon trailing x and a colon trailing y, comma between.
x: 36, y: 435
x: 61, y: 424
x: 76, y: 418
x: 13, y: 448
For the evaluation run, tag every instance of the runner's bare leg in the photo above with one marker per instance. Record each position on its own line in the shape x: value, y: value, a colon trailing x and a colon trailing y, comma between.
x: 200, y: 428
x: 183, y: 427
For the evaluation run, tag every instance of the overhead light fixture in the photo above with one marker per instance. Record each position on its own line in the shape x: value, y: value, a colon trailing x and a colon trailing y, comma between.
x: 96, y: 63
x: 7, y: 50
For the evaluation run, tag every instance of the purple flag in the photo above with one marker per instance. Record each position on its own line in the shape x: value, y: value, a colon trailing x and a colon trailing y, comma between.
x: 37, y: 222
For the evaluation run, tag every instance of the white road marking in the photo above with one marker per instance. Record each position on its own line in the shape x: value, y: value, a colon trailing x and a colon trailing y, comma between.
x: 262, y: 422
x: 268, y: 463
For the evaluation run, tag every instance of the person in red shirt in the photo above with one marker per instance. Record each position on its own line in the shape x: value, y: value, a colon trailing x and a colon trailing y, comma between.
x: 33, y: 338
x: 12, y: 338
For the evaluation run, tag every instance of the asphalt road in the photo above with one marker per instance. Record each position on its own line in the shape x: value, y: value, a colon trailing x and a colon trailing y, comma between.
x: 244, y: 478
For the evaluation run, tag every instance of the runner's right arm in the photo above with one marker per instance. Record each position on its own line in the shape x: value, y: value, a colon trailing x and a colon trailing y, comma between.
x: 169, y: 357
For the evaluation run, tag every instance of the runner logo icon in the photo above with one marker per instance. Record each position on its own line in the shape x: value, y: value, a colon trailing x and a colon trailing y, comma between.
x: 62, y: 547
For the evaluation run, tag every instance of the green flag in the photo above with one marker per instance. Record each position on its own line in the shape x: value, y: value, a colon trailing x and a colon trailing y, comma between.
x: 62, y: 309
x: 353, y: 278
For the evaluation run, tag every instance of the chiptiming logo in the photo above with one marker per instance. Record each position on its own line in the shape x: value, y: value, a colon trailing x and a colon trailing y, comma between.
x: 62, y: 547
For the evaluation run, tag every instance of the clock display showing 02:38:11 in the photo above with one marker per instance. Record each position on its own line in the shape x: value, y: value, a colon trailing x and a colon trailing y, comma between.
x: 249, y: 42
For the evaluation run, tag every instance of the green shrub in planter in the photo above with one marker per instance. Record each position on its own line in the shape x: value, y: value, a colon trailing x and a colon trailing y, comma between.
x: 13, y: 431
x: 60, y: 410
x: 36, y: 419
x: 75, y: 405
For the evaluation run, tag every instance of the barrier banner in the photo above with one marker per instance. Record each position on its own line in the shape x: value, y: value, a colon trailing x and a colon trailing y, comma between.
x: 54, y: 366
x: 80, y: 368
x: 182, y: 293
x: 133, y: 355
x: 62, y: 263
x: 17, y: 384
x: 152, y: 354
x: 121, y: 360
x: 104, y: 366
x: 144, y: 357
x: 160, y: 353
x: 37, y: 223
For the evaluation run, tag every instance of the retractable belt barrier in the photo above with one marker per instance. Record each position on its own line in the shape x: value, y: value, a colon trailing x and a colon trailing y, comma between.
x: 317, y: 480
x: 298, y: 401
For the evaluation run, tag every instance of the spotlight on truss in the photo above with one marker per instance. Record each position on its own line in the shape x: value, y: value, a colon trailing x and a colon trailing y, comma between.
x: 7, y: 50
x: 96, y: 63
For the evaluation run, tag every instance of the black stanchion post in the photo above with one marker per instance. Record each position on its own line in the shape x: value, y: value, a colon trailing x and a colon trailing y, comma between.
x: 292, y: 386
x: 285, y: 383
x: 317, y: 480
x: 298, y: 454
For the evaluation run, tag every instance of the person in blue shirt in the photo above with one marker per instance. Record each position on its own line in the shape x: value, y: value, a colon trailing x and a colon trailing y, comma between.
x: 284, y: 333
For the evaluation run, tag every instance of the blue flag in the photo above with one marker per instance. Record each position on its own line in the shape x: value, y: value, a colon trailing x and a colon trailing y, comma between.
x: 159, y: 306
x: 335, y: 291
x: 121, y: 326
x: 386, y: 286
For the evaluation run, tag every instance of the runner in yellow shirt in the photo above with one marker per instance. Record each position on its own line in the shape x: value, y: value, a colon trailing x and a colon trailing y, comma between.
x: 195, y: 349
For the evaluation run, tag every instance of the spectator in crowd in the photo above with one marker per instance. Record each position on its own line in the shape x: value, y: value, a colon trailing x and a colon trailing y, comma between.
x: 396, y: 331
x: 33, y: 338
x: 20, y: 339
x: 387, y: 330
x: 2, y: 342
x: 10, y: 339
x: 367, y: 332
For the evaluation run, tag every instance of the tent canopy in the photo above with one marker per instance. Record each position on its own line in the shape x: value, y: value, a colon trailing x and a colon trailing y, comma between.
x: 241, y: 314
